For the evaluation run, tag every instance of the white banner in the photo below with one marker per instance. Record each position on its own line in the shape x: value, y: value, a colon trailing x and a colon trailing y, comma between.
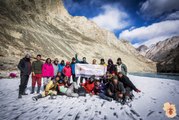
x: 87, y: 70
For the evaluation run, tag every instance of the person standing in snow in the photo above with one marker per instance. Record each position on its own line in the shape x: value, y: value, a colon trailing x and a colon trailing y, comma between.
x: 73, y: 62
x: 83, y: 59
x: 129, y: 86
x: 36, y: 73
x: 47, y: 71
x: 61, y: 66
x: 49, y: 90
x: 116, y: 90
x: 94, y: 62
x: 25, y: 70
x: 111, y: 67
x: 67, y: 70
x: 121, y: 67
x: 55, y: 66
x: 102, y: 62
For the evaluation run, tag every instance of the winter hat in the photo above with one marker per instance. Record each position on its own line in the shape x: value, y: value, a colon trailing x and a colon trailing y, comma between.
x: 56, y: 59
x: 67, y: 63
x: 114, y: 77
x: 27, y: 55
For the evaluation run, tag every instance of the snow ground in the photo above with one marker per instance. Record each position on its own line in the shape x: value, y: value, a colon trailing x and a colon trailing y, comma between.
x: 147, y: 105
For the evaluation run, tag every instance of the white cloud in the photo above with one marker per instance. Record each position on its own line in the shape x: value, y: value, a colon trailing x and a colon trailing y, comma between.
x: 157, y: 8
x: 151, y: 34
x: 112, y: 18
x: 172, y: 16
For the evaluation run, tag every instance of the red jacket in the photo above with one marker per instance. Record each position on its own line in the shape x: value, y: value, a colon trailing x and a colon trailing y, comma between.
x: 67, y: 71
x: 89, y: 87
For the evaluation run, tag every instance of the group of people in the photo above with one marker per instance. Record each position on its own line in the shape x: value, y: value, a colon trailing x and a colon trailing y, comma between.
x: 114, y: 85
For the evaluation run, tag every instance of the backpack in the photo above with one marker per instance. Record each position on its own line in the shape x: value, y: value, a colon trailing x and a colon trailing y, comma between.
x: 81, y: 91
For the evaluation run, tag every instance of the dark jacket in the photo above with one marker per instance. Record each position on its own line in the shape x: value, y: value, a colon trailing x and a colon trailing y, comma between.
x: 115, y: 88
x: 25, y: 66
x: 111, y: 67
x: 127, y: 83
x: 78, y: 61
x: 37, y: 67
x: 99, y: 88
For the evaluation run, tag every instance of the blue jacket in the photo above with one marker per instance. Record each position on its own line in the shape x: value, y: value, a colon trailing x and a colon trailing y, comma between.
x: 60, y: 67
x: 73, y: 68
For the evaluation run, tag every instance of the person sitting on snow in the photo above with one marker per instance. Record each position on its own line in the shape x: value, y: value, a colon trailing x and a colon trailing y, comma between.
x: 67, y: 88
x: 89, y: 85
x: 116, y: 90
x: 100, y: 90
x: 129, y: 86
x: 49, y: 90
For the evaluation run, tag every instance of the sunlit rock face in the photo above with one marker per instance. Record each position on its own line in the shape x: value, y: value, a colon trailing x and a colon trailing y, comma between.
x: 165, y: 53
x: 45, y: 27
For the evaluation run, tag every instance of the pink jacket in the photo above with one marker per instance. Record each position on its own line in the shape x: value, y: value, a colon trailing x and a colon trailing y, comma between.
x: 67, y: 71
x: 47, y: 70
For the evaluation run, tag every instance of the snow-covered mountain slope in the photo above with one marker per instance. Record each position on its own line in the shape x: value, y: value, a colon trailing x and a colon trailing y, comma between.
x: 147, y: 105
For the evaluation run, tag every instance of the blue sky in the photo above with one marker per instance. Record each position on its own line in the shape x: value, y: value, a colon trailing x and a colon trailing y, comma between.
x: 138, y: 21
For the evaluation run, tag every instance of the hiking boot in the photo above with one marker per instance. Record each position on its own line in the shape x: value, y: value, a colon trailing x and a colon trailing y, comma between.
x: 109, y: 99
x: 35, y: 98
x: 32, y: 92
x: 44, y: 87
x: 19, y: 96
x: 24, y: 93
x: 52, y: 97
x: 38, y: 90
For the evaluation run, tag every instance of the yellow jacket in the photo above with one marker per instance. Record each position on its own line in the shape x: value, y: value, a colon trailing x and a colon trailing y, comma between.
x: 50, y: 86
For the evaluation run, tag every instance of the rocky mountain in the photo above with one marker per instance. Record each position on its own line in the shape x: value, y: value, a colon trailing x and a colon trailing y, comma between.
x: 166, y: 53
x: 45, y: 27
x: 142, y: 49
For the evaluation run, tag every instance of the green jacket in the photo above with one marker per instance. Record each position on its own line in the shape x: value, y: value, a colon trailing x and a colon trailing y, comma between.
x: 37, y: 67
x: 123, y: 68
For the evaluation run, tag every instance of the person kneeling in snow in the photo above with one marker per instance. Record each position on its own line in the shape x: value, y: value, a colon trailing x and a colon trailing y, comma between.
x: 128, y: 85
x: 100, y: 90
x: 68, y: 89
x: 49, y: 90
x: 116, y: 90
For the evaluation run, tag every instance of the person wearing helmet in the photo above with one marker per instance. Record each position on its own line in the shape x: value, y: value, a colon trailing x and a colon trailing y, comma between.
x: 25, y: 68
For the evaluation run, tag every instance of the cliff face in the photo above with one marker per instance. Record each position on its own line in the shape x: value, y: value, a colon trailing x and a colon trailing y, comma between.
x: 45, y: 27
x: 162, y: 49
x: 165, y: 53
